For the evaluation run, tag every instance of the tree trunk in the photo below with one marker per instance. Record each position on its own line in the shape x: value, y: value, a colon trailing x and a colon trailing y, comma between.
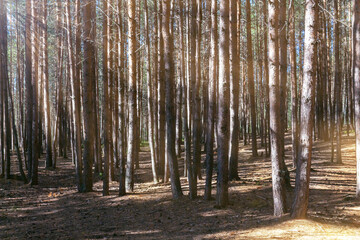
x: 223, y: 115
x: 106, y: 100
x: 150, y: 97
x: 274, y: 99
x: 192, y: 85
x: 75, y: 101
x: 122, y: 114
x: 294, y: 96
x: 88, y: 92
x: 301, y: 201
x: 266, y: 72
x: 234, y: 93
x: 211, y: 100
x: 4, y: 76
x: 132, y: 98
x: 337, y: 87
x: 250, y: 73
x: 47, y: 111
x: 34, y: 83
x: 170, y: 113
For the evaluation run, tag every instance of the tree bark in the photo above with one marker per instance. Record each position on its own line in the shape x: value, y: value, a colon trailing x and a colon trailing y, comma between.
x: 132, y: 98
x: 88, y: 92
x: 223, y: 115
x: 274, y: 99
x: 337, y: 87
x: 150, y: 97
x: 301, y: 201
x: 106, y: 96
x: 211, y: 100
x: 234, y: 94
x: 294, y: 95
x: 170, y: 113
x: 122, y: 114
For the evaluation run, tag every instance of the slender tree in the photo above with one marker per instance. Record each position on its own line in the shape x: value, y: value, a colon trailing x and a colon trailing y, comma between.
x: 170, y: 113
x: 132, y: 97
x: 274, y: 98
x: 75, y: 101
x: 211, y: 100
x: 122, y: 114
x: 250, y: 74
x: 106, y: 95
x: 4, y: 76
x: 301, y: 201
x: 294, y: 94
x: 337, y: 86
x: 88, y: 92
x: 150, y: 97
x: 234, y: 93
x: 223, y: 115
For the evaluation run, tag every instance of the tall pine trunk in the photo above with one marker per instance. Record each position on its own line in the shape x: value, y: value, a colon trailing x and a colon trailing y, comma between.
x: 279, y: 192
x: 223, y: 115
x: 301, y: 201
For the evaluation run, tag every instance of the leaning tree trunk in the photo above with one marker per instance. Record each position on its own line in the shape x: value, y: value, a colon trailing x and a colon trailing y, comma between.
x: 301, y: 201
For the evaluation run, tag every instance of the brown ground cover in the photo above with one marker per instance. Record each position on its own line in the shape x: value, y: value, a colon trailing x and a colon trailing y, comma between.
x: 54, y: 209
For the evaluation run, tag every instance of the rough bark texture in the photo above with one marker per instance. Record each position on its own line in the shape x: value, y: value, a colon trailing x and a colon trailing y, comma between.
x: 223, y: 115
x: 89, y: 82
x: 274, y: 99
x: 300, y: 205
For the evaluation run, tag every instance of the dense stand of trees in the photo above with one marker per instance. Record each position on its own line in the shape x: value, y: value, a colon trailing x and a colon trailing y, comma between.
x: 96, y: 79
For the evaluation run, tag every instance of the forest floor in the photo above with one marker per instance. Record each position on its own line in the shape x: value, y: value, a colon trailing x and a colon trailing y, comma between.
x: 55, y: 210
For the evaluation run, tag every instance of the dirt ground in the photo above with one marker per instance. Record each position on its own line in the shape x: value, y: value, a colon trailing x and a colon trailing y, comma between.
x: 54, y: 209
